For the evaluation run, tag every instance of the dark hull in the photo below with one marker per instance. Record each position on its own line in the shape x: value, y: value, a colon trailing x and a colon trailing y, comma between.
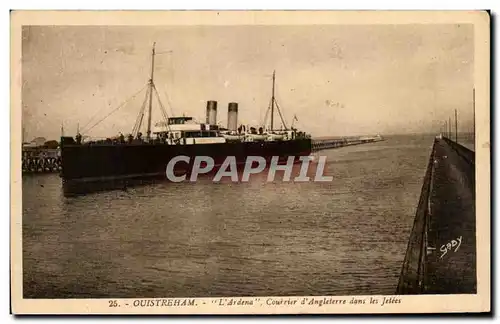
x: 102, y: 162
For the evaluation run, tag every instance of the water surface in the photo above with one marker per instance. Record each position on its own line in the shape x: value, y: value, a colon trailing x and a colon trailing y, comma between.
x: 209, y: 239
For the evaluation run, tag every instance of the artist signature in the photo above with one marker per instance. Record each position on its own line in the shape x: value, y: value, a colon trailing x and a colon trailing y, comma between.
x: 453, y: 244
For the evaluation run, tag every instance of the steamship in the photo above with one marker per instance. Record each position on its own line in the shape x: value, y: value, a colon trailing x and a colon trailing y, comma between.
x: 135, y: 156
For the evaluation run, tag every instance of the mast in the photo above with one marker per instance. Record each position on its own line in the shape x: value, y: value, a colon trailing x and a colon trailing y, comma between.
x: 272, y: 102
x: 151, y: 85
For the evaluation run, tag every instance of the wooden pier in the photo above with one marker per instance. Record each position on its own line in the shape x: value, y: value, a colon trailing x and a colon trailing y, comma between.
x: 40, y: 160
x: 330, y: 143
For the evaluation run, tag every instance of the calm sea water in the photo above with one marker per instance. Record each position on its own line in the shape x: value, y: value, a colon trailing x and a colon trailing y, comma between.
x: 209, y: 239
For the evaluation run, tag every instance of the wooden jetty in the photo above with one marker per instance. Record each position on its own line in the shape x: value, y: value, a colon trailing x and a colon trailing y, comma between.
x: 40, y: 160
x: 330, y: 143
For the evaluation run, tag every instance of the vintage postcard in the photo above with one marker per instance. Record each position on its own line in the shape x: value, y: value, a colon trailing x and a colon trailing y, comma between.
x: 250, y: 162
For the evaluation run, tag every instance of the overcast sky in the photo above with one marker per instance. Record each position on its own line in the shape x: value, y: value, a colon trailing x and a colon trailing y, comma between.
x: 337, y: 79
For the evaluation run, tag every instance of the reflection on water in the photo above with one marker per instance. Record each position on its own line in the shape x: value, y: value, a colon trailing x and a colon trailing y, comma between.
x: 204, y: 239
x: 79, y: 188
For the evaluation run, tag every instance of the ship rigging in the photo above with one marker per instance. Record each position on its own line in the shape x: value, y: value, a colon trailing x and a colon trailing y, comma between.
x: 172, y: 130
x: 272, y: 103
x: 134, y: 156
x: 151, y: 89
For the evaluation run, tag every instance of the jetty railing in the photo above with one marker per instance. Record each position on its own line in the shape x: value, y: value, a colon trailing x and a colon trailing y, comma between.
x: 462, y: 151
x: 412, y: 278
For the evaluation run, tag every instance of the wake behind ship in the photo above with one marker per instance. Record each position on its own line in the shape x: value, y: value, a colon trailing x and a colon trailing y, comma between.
x: 135, y: 156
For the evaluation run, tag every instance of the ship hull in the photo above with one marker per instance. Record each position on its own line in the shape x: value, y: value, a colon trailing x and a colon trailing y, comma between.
x: 102, y: 162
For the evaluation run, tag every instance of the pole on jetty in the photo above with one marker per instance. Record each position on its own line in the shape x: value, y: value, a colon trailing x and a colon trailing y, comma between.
x: 449, y: 127
x: 474, y: 112
x: 456, y: 127
x: 272, y: 102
